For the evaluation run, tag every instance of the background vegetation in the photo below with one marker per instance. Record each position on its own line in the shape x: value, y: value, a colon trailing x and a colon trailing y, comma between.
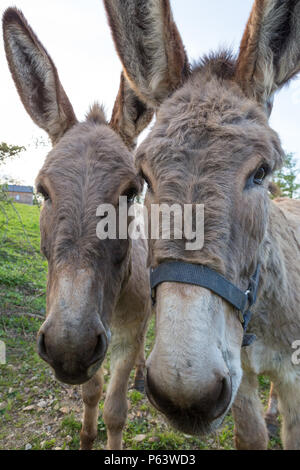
x: 286, y: 178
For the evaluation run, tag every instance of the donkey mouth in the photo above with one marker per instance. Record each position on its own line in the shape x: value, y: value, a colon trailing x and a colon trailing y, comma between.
x: 73, y: 379
x: 79, y: 377
x: 194, y: 419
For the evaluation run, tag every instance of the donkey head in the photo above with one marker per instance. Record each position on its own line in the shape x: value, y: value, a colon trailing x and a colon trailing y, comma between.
x: 88, y: 165
x: 211, y: 145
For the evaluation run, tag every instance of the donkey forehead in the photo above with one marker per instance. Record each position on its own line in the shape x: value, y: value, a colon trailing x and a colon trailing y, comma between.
x: 214, y: 121
x: 89, y: 152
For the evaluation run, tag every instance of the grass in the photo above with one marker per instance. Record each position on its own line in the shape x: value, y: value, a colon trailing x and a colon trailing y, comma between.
x: 22, y: 268
x: 36, y: 411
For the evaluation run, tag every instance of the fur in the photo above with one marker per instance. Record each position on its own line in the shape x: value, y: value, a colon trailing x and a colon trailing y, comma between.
x: 130, y: 115
x: 36, y: 77
x: 162, y: 62
x: 270, y: 48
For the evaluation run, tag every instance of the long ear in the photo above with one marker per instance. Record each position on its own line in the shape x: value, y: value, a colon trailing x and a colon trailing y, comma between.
x: 36, y: 77
x: 130, y: 115
x: 270, y: 50
x: 149, y: 46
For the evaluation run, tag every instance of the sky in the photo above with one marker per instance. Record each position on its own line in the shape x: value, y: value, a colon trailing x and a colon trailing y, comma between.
x: 76, y: 35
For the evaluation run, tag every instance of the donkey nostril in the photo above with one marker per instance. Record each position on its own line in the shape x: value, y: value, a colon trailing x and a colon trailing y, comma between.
x: 42, y: 351
x: 100, y: 349
x: 223, y: 397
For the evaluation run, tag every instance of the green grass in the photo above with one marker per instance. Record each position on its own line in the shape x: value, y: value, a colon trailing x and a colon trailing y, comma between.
x: 23, y: 270
x: 38, y: 412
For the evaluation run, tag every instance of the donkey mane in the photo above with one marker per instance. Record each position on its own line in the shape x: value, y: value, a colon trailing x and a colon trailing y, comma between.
x: 221, y: 64
x: 96, y: 114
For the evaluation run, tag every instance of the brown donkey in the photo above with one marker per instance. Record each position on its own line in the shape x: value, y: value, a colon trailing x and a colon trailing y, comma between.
x: 93, y: 285
x: 212, y: 145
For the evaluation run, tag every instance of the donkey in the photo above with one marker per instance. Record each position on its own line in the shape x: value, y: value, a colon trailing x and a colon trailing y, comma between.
x: 212, y: 145
x: 93, y: 285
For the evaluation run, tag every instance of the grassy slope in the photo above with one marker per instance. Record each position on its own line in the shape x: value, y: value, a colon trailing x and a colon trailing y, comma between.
x: 22, y: 268
x: 36, y: 410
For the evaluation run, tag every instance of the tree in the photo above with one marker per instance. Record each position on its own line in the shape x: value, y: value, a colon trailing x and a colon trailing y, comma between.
x: 286, y: 178
x: 6, y: 152
x: 9, y: 151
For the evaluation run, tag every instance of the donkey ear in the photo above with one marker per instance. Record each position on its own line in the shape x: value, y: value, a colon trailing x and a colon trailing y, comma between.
x: 36, y: 77
x: 149, y: 46
x: 270, y: 49
x: 130, y: 115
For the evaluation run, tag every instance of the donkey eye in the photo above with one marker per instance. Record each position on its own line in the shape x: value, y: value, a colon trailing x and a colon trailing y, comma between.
x: 260, y: 175
x: 257, y: 178
x: 42, y: 191
x: 131, y: 194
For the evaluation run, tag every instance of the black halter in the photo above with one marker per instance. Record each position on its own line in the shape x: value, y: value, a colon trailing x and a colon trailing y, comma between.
x: 199, y: 275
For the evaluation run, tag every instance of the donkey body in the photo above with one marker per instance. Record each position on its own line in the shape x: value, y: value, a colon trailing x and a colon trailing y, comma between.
x: 94, y: 286
x: 276, y: 324
x: 212, y: 145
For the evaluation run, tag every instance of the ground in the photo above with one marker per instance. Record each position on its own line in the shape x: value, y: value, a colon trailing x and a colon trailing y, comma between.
x: 37, y: 411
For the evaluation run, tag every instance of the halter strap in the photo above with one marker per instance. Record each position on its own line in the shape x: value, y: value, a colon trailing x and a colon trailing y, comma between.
x: 199, y: 275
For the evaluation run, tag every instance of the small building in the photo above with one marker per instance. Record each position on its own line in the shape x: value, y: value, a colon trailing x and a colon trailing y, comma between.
x: 21, y: 194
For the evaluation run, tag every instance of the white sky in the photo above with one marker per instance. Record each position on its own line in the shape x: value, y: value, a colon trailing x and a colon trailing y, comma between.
x: 76, y: 35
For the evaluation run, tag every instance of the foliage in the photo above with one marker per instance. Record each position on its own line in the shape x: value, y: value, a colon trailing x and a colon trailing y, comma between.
x: 9, y: 151
x: 286, y: 178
